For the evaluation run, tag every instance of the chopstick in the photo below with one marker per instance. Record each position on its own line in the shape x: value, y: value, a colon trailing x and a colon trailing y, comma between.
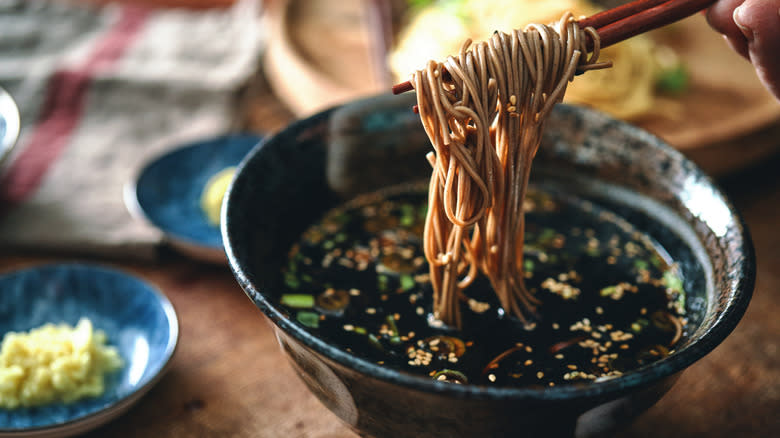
x: 648, y: 19
x: 625, y: 21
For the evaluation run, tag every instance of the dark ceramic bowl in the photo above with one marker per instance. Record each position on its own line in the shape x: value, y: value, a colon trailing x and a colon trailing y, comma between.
x: 294, y: 177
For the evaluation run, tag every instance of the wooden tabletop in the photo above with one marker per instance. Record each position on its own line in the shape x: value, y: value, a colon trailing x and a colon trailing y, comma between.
x: 229, y: 378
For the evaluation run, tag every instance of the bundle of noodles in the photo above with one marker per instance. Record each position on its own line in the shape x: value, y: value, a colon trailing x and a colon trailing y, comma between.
x: 484, y: 118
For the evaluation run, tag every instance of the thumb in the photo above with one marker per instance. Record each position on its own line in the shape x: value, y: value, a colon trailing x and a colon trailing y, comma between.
x: 759, y: 23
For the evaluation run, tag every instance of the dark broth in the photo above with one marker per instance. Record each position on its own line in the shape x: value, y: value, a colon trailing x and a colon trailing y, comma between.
x: 611, y: 299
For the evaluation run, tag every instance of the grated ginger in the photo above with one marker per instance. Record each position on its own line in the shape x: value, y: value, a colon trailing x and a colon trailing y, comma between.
x: 54, y: 363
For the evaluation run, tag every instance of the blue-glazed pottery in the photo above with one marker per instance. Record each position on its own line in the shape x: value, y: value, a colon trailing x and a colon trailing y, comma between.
x: 137, y: 318
x: 168, y: 190
x: 289, y: 181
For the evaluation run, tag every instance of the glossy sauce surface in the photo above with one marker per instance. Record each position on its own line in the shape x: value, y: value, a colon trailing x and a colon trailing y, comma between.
x: 611, y: 298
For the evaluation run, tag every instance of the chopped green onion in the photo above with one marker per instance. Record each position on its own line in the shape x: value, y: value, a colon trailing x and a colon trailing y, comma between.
x: 407, y: 282
x: 673, y: 281
x: 607, y: 291
x: 382, y: 282
x: 308, y: 319
x: 547, y: 235
x: 291, y: 280
x: 391, y: 323
x: 407, y: 215
x: 298, y: 301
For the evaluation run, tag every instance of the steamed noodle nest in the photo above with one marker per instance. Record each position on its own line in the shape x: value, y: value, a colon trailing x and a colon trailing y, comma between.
x: 626, y: 91
x: 484, y: 119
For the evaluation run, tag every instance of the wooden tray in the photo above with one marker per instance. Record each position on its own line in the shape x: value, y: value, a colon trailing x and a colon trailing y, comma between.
x: 320, y: 54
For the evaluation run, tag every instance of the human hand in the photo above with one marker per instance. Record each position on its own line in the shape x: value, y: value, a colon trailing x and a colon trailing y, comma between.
x: 752, y: 28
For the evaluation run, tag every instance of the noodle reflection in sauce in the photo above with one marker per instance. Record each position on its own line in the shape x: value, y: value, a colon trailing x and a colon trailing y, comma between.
x: 484, y: 118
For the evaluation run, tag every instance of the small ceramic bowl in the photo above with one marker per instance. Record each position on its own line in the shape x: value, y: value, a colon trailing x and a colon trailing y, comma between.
x: 9, y: 127
x: 294, y: 177
x: 137, y: 319
x: 167, y: 193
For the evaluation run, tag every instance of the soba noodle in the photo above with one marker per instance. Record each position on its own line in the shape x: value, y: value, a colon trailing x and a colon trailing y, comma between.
x: 484, y: 111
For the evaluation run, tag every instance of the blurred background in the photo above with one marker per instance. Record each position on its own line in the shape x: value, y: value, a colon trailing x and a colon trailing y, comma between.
x: 104, y: 86
x: 99, y: 89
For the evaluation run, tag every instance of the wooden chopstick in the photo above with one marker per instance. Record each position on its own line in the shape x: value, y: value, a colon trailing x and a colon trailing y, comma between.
x: 649, y: 19
x: 603, y: 18
x: 625, y: 21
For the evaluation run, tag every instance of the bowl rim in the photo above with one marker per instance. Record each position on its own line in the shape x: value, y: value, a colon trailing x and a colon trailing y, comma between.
x: 100, y: 416
x: 741, y: 294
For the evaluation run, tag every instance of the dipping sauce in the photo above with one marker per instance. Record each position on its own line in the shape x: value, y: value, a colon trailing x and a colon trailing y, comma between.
x: 612, y: 300
x: 54, y: 363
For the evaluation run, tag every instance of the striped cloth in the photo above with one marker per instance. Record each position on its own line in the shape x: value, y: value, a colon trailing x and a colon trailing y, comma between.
x: 100, y: 90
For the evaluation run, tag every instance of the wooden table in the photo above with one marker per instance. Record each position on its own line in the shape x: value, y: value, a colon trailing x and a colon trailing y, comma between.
x: 230, y: 379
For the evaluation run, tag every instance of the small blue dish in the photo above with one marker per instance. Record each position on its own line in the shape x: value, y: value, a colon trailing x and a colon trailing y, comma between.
x: 168, y: 189
x: 137, y: 318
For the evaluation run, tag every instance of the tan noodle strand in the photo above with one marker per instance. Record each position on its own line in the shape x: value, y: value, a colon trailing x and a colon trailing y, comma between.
x: 485, y: 123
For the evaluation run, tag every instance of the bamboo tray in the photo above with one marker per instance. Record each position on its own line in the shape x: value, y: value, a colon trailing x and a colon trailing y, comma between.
x: 320, y: 54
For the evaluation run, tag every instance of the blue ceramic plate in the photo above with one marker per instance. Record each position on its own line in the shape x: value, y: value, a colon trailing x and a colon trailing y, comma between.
x: 168, y: 189
x: 137, y: 319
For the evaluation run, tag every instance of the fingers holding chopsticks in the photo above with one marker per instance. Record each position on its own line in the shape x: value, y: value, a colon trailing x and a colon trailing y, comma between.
x: 752, y: 28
